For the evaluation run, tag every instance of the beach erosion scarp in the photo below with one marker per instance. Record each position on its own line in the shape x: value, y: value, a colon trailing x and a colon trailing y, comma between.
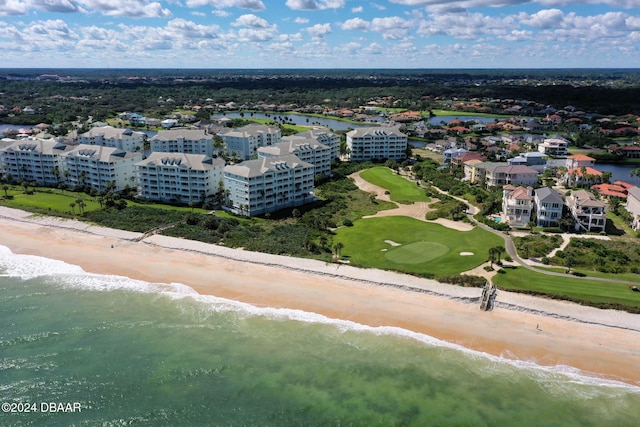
x: 602, y: 343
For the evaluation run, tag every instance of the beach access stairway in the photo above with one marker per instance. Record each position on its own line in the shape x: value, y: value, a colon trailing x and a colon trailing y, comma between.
x: 488, y: 298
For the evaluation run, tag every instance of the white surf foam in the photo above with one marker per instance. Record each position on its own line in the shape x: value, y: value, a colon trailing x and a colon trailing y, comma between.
x: 65, y: 275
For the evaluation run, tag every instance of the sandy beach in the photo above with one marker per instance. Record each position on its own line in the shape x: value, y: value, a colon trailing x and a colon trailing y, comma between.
x: 602, y: 343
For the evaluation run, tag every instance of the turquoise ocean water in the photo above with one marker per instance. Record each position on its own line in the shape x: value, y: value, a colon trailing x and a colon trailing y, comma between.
x: 134, y: 353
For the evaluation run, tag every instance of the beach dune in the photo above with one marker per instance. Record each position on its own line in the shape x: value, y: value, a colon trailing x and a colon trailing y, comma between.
x: 602, y: 343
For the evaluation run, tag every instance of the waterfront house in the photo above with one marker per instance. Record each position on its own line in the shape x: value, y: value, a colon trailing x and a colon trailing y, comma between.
x: 517, y: 205
x: 587, y: 211
x: 581, y: 177
x: 108, y: 136
x: 376, y: 143
x: 178, y: 177
x: 268, y: 184
x: 580, y: 160
x: 99, y: 167
x: 548, y: 206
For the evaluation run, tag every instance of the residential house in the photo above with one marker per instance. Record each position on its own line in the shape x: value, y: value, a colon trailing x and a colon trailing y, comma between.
x: 245, y: 141
x: 108, y: 136
x: 32, y: 159
x: 517, y: 205
x: 618, y: 189
x: 554, y: 147
x: 587, y: 211
x: 535, y: 160
x: 459, y: 161
x: 451, y: 153
x: 189, y: 141
x: 268, y: 184
x: 580, y: 160
x: 498, y: 176
x: 548, y: 207
x: 306, y: 149
x: 99, y: 167
x: 376, y: 143
x: 179, y: 177
x: 633, y: 206
x: 581, y: 177
x: 470, y: 170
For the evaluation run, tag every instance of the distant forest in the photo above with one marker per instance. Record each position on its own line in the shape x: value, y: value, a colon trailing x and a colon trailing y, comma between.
x: 64, y: 94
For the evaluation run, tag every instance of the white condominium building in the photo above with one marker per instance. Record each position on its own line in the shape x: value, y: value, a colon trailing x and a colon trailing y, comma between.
x: 108, y: 136
x: 376, y: 143
x: 268, y: 184
x: 96, y: 167
x: 190, y: 141
x: 324, y: 137
x: 306, y: 149
x: 34, y: 159
x: 178, y: 177
x: 245, y: 141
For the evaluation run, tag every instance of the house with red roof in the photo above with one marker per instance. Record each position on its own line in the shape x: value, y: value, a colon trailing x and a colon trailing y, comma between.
x: 581, y: 177
x: 579, y: 160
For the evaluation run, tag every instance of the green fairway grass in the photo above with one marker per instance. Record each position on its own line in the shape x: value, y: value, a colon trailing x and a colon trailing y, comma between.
x: 59, y: 203
x: 425, y: 248
x: 401, y: 190
x: 583, y: 290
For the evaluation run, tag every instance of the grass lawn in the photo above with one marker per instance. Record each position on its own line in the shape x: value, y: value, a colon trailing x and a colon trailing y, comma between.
x: 592, y: 292
x: 45, y: 202
x: 617, y: 226
x: 414, y: 246
x: 55, y: 201
x: 402, y: 190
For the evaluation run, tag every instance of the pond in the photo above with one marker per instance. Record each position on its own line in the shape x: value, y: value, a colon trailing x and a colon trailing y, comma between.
x: 298, y: 119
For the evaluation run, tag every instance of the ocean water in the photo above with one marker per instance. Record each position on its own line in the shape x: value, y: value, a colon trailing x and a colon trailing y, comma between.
x: 85, y: 350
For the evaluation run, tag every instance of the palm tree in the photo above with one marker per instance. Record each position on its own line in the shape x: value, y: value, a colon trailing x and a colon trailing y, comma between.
x: 81, y: 205
x: 337, y: 248
x: 6, y: 190
x: 72, y: 205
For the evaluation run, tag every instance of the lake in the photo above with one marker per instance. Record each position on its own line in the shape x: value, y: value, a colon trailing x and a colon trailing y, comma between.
x: 335, y: 124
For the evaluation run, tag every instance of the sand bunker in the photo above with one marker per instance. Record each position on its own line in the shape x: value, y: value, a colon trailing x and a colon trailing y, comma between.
x: 466, y: 253
x: 392, y: 243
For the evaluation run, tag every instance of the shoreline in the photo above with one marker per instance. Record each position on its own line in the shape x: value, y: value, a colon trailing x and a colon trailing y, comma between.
x: 600, y: 343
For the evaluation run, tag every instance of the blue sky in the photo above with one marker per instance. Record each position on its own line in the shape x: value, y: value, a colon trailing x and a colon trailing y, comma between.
x: 320, y: 33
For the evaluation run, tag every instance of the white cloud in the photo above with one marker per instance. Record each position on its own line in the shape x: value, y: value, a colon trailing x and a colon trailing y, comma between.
x: 300, y: 20
x: 355, y: 24
x: 358, y: 9
x: 252, y: 21
x: 129, y: 8
x: 59, y: 6
x: 315, y: 4
x: 255, y: 5
x: 392, y: 27
x: 319, y: 30
x: 550, y: 18
x: 13, y: 8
